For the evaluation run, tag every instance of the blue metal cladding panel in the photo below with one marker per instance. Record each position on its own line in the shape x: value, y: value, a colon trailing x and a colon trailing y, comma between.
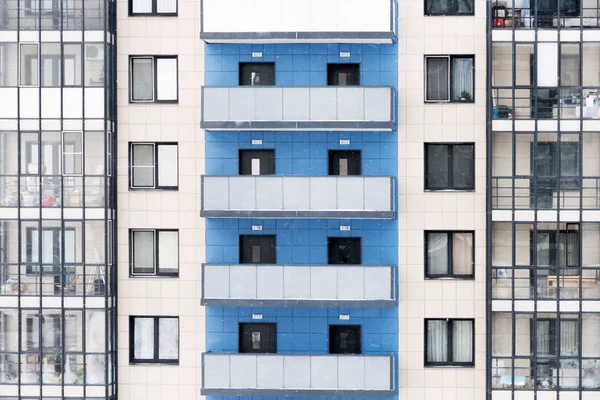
x: 303, y: 329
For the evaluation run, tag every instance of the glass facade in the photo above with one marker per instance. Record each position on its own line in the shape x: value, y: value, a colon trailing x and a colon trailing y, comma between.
x: 57, y: 199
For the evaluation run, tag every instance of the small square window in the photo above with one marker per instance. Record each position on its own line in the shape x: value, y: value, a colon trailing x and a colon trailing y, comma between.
x: 153, y: 166
x: 449, y: 342
x: 449, y: 166
x: 449, y: 79
x: 152, y: 7
x: 153, y: 79
x: 153, y: 340
x: 449, y: 254
x: 154, y: 252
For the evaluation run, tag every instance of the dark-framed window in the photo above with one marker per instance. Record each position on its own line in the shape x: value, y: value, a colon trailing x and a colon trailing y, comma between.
x: 449, y: 7
x: 449, y: 166
x: 152, y: 7
x: 343, y: 74
x: 153, y: 79
x: 153, y: 166
x: 257, y: 73
x: 153, y: 340
x: 44, y: 249
x: 154, y: 252
x: 449, y: 254
x: 449, y: 342
x: 554, y: 161
x: 558, y: 249
x: 450, y: 78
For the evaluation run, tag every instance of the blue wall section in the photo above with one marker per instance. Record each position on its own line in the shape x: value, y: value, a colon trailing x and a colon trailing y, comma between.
x: 302, y: 329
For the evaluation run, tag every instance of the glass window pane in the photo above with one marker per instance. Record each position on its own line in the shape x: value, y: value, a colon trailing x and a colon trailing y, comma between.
x: 462, y: 79
x: 166, y: 6
x: 72, y: 64
x: 168, y: 338
x: 8, y: 63
x: 569, y: 65
x: 167, y: 165
x: 437, y: 341
x: 29, y: 64
x: 462, y: 341
x: 143, y: 339
x: 166, y: 79
x: 142, y: 76
x: 168, y: 251
x: 143, y: 252
x: 437, y: 6
x: 569, y: 337
x: 94, y: 64
x: 463, y: 173
x: 590, y: 346
x: 437, y: 167
x: 437, y: 253
x: 51, y: 65
x: 465, y: 6
x: 437, y: 78
x: 142, y: 6
x: 569, y: 159
x: 462, y: 252
x: 143, y: 165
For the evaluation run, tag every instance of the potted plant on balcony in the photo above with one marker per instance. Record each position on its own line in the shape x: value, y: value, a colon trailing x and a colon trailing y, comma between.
x: 465, y: 96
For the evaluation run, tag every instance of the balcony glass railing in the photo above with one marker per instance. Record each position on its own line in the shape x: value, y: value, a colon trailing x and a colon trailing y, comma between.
x: 537, y: 14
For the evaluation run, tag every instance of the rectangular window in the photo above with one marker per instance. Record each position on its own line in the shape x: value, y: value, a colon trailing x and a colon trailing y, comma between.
x: 558, y: 249
x: 257, y: 74
x: 449, y: 166
x: 72, y: 157
x: 449, y: 254
x: 449, y: 7
x: 45, y: 251
x: 152, y: 7
x: 153, y: 340
x: 449, y: 342
x: 258, y: 338
x: 345, y: 339
x: 153, y: 166
x: 29, y: 68
x: 555, y: 162
x: 153, y: 79
x: 343, y: 74
x: 449, y: 79
x: 154, y: 252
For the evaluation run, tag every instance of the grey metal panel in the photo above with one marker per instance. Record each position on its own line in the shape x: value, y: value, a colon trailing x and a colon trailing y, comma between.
x: 350, y: 103
x: 351, y: 372
x: 322, y: 194
x: 270, y: 282
x: 270, y: 372
x: 296, y: 282
x: 242, y: 104
x: 296, y: 193
x: 216, y: 189
x: 323, y: 282
x: 296, y: 104
x: 323, y: 372
x: 298, y: 125
x: 216, y: 281
x: 242, y: 193
x: 296, y: 371
x: 323, y: 104
x: 269, y: 104
x: 243, y: 282
x: 350, y: 195
x: 378, y: 103
x: 351, y: 283
x: 243, y: 371
x: 378, y: 193
x: 378, y: 283
x: 269, y: 193
x: 298, y: 37
x: 216, y: 370
x: 378, y: 373
x: 216, y: 104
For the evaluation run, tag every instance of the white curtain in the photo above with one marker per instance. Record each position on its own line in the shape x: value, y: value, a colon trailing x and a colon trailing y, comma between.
x: 568, y: 338
x: 437, y: 253
x: 437, y: 78
x: 462, y: 78
x: 168, y: 251
x: 462, y: 249
x: 462, y: 341
x: 437, y: 341
x: 543, y: 338
x: 143, y: 339
x: 168, y: 338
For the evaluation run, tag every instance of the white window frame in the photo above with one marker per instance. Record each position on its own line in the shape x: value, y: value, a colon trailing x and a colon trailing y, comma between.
x: 154, y: 78
x: 155, y: 166
x: 447, y: 79
x: 72, y: 154
x: 155, y: 256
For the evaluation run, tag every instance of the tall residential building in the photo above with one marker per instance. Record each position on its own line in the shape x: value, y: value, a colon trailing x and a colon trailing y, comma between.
x: 543, y: 227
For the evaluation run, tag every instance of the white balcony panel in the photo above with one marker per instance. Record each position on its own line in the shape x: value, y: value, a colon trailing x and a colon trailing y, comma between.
x: 248, y: 196
x: 297, y: 21
x: 301, y: 375
x: 311, y: 285
x: 333, y: 108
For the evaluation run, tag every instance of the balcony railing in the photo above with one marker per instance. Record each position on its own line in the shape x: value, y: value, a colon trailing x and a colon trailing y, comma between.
x: 298, y: 375
x: 297, y: 21
x: 297, y: 108
x: 522, y: 16
x: 273, y: 196
x: 311, y: 285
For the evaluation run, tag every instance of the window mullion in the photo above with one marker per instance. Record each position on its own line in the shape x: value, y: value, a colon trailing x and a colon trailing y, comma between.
x: 450, y: 242
x: 449, y: 327
x: 450, y: 152
x: 155, y: 233
x: 156, y: 340
x: 156, y: 166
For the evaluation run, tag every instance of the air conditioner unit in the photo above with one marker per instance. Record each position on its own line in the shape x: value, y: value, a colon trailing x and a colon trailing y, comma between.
x: 94, y: 52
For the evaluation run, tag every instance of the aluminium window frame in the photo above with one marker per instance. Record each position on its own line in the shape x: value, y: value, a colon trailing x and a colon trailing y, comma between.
x: 449, y: 168
x: 72, y: 154
x: 154, y: 74
x: 450, y: 255
x: 155, y: 166
x: 154, y: 12
x: 449, y: 330
x: 449, y: 14
x: 449, y: 58
x: 157, y: 272
x: 155, y: 360
x: 20, y: 67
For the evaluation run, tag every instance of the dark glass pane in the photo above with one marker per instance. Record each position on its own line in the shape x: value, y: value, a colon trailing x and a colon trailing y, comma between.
x: 437, y: 166
x: 463, y: 166
x: 437, y: 79
x: 464, y: 6
x: 437, y: 6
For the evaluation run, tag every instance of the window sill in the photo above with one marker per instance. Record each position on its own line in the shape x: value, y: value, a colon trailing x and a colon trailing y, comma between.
x: 157, y: 363
x: 168, y: 189
x: 152, y: 14
x: 450, y: 190
x: 170, y: 276
x: 450, y: 15
x: 449, y: 365
x: 449, y: 101
x: 142, y: 102
x: 450, y: 277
